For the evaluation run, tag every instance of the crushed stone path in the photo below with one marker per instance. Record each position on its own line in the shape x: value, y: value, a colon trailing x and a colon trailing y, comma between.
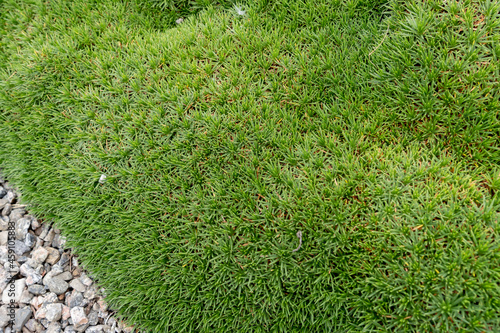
x: 43, y: 288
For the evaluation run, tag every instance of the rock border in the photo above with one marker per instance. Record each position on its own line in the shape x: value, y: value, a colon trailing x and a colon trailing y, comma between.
x: 43, y: 288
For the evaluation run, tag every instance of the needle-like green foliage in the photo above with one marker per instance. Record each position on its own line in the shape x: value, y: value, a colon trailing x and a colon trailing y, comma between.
x: 370, y: 127
x: 163, y: 14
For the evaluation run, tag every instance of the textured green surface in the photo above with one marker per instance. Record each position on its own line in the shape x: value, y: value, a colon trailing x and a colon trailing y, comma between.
x: 373, y: 130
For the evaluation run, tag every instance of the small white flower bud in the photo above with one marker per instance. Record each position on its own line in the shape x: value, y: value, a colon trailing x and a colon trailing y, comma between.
x: 102, y: 179
x: 239, y: 10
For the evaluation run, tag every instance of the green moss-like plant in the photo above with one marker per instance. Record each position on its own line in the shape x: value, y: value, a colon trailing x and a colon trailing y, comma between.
x: 224, y: 137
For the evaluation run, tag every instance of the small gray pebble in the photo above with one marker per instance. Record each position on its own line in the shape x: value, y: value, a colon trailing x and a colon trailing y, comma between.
x: 45, y: 228
x: 53, y: 256
x: 22, y: 259
x: 20, y: 248
x: 49, y: 237
x: 4, y: 237
x: 75, y: 299
x: 39, y: 255
x: 30, y: 240
x: 89, y: 293
x: 37, y: 289
x: 22, y: 227
x: 54, y: 327
x: 64, y: 260
x: 22, y: 316
x: 44, y: 322
x: 70, y: 329
x: 26, y: 297
x: 95, y: 329
x: 16, y: 214
x: 49, y: 298
x: 35, y: 224
x: 7, y: 209
x: 56, y: 270
x: 57, y: 285
x: 32, y: 276
x: 77, y: 285
x: 3, y: 202
x: 39, y: 242
x: 4, y: 318
x: 85, y: 280
x: 33, y: 326
x: 10, y: 196
x: 54, y: 312
x: 58, y: 241
x: 4, y: 222
x: 79, y: 318
x: 66, y: 276
x: 93, y: 318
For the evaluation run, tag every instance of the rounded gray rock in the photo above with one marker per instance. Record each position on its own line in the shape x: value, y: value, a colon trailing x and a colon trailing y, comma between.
x: 77, y: 285
x: 20, y: 248
x: 53, y: 256
x: 57, y: 285
x: 53, y: 312
x: 37, y: 289
x: 16, y: 214
x: 7, y: 209
x: 39, y: 255
x: 22, y: 227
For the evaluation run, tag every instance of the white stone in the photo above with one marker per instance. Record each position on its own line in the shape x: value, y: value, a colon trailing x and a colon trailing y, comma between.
x: 4, y: 237
x: 4, y: 222
x: 22, y: 227
x: 4, y: 254
x: 32, y: 277
x: 53, y: 256
x: 57, y: 285
x: 85, y: 280
x: 36, y: 302
x: 4, y: 279
x: 3, y: 202
x: 77, y: 285
x: 39, y: 255
x: 4, y: 317
x: 95, y: 329
x: 26, y: 297
x: 15, y: 288
x: 50, y: 298
x: 78, y: 316
x: 53, y: 312
x: 56, y: 270
x: 54, y: 327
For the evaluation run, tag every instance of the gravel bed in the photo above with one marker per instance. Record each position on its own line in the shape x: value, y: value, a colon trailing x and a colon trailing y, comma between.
x: 42, y: 286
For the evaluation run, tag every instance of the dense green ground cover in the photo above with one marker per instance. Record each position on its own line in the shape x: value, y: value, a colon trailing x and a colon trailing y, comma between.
x: 371, y: 127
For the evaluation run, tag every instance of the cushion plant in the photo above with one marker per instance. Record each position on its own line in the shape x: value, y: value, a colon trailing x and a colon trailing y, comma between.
x: 370, y: 128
